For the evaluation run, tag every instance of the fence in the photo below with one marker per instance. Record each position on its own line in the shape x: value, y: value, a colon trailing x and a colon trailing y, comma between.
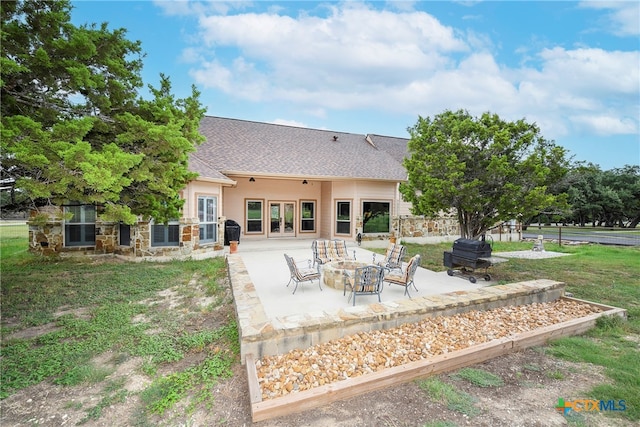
x: 605, y: 236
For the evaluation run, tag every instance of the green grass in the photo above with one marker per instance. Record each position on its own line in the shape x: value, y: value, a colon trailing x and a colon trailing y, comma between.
x: 478, y: 377
x: 441, y: 424
x: 445, y: 393
x: 90, y: 307
x: 598, y: 273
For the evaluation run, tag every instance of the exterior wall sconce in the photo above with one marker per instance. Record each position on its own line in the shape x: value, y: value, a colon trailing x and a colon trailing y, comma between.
x: 252, y: 179
x: 305, y: 182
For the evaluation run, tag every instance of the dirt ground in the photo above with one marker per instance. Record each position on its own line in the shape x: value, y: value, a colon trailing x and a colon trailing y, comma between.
x: 533, y: 382
x: 527, y: 398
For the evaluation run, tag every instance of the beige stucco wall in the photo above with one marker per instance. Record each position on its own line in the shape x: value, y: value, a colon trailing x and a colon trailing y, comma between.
x: 200, y: 188
x: 270, y: 190
x: 324, y: 193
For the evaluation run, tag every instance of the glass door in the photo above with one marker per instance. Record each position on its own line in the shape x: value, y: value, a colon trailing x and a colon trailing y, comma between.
x: 281, y: 219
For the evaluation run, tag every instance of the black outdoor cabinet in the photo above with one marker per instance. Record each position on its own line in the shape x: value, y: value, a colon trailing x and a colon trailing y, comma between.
x: 231, y: 232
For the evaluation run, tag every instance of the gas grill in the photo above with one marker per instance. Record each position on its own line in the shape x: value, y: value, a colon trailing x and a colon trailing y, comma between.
x: 467, y: 256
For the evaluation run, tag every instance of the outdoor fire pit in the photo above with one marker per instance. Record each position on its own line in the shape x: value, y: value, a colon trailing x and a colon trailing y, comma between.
x: 334, y: 272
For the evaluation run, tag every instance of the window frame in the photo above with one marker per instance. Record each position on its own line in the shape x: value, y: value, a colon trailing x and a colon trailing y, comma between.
x: 247, y: 220
x: 389, y: 224
x: 204, y: 222
x: 82, y: 224
x: 337, y: 221
x: 313, y: 218
x: 166, y: 242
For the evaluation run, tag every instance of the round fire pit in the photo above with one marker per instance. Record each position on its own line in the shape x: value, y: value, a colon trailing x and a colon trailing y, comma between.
x: 334, y: 272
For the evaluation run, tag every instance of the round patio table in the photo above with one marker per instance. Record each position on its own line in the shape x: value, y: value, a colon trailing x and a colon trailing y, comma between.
x: 335, y: 273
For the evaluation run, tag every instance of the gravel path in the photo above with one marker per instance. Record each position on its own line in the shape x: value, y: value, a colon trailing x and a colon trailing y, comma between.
x: 529, y: 254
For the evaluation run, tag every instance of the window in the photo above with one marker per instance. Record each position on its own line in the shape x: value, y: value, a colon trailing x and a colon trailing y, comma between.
x: 343, y: 217
x: 254, y: 216
x: 376, y: 217
x: 80, y: 229
x: 165, y: 235
x: 208, y: 214
x: 125, y: 234
x: 307, y: 216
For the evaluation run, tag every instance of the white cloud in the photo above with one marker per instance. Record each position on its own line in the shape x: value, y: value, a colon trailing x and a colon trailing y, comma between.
x: 350, y: 56
x: 289, y: 123
x: 624, y: 18
x: 605, y: 124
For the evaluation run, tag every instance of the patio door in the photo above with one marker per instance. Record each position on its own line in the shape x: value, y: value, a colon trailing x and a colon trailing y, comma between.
x: 282, y: 219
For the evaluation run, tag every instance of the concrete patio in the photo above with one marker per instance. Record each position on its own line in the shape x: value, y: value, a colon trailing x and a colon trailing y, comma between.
x: 268, y: 271
x: 271, y: 320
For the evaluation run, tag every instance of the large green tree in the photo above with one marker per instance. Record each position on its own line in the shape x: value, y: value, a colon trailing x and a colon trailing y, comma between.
x: 486, y: 169
x: 74, y: 127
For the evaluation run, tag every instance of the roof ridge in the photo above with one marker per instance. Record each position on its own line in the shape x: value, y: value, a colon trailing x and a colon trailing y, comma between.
x: 364, y: 135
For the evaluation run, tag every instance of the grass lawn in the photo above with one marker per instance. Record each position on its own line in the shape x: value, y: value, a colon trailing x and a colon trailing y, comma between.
x: 90, y: 307
x: 605, y: 274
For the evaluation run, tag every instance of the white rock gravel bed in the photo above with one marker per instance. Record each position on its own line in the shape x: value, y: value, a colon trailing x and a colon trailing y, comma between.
x: 373, y: 351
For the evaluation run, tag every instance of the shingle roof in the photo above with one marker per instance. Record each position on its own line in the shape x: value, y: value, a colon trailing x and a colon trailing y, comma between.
x: 243, y: 147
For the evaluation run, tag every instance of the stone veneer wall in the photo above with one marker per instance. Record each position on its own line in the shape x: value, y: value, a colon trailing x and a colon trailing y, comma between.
x: 46, y: 236
x: 416, y: 226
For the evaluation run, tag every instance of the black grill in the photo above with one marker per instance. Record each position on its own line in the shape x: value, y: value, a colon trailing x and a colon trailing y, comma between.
x: 468, y: 254
x: 471, y: 249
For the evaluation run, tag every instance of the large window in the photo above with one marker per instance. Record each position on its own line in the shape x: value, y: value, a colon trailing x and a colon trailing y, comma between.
x: 307, y: 216
x: 208, y: 217
x: 165, y: 235
x: 254, y: 216
x: 343, y: 217
x: 80, y: 228
x: 376, y: 217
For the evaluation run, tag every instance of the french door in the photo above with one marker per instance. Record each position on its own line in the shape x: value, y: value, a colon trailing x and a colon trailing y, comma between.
x: 282, y: 219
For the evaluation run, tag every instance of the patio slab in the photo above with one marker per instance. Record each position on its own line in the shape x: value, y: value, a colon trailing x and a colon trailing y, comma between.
x: 272, y: 320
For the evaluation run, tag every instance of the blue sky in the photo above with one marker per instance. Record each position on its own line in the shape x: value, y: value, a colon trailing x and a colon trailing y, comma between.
x: 375, y: 67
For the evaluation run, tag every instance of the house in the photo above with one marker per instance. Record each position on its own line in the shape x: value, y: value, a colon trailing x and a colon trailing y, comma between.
x: 280, y: 181
x: 274, y: 181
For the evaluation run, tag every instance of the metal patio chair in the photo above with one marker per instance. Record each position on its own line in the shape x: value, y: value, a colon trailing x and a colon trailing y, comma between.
x: 393, y: 257
x: 365, y: 281
x: 299, y: 274
x: 405, y: 278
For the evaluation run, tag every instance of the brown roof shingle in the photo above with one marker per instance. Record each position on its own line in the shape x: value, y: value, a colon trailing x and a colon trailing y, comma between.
x: 235, y: 146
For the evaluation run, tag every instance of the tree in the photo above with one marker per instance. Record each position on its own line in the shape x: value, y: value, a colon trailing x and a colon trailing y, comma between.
x: 604, y: 197
x: 74, y: 128
x: 486, y: 169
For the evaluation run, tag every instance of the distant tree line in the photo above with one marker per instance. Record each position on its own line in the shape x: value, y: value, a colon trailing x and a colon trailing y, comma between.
x: 597, y: 198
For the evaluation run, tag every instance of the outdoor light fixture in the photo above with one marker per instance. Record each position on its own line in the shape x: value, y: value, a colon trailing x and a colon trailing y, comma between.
x: 305, y: 182
x: 252, y: 179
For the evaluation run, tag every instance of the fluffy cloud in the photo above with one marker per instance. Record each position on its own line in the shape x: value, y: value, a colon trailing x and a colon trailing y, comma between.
x: 352, y: 56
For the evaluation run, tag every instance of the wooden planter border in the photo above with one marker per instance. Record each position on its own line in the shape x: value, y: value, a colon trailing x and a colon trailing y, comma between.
x: 328, y: 393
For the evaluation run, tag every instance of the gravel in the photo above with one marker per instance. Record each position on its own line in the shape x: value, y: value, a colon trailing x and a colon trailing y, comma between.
x: 529, y: 254
x: 367, y: 352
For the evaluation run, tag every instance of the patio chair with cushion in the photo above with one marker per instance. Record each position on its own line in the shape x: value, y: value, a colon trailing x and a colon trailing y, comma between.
x: 365, y: 281
x: 301, y: 274
x: 405, y: 278
x: 325, y: 251
x: 393, y: 257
